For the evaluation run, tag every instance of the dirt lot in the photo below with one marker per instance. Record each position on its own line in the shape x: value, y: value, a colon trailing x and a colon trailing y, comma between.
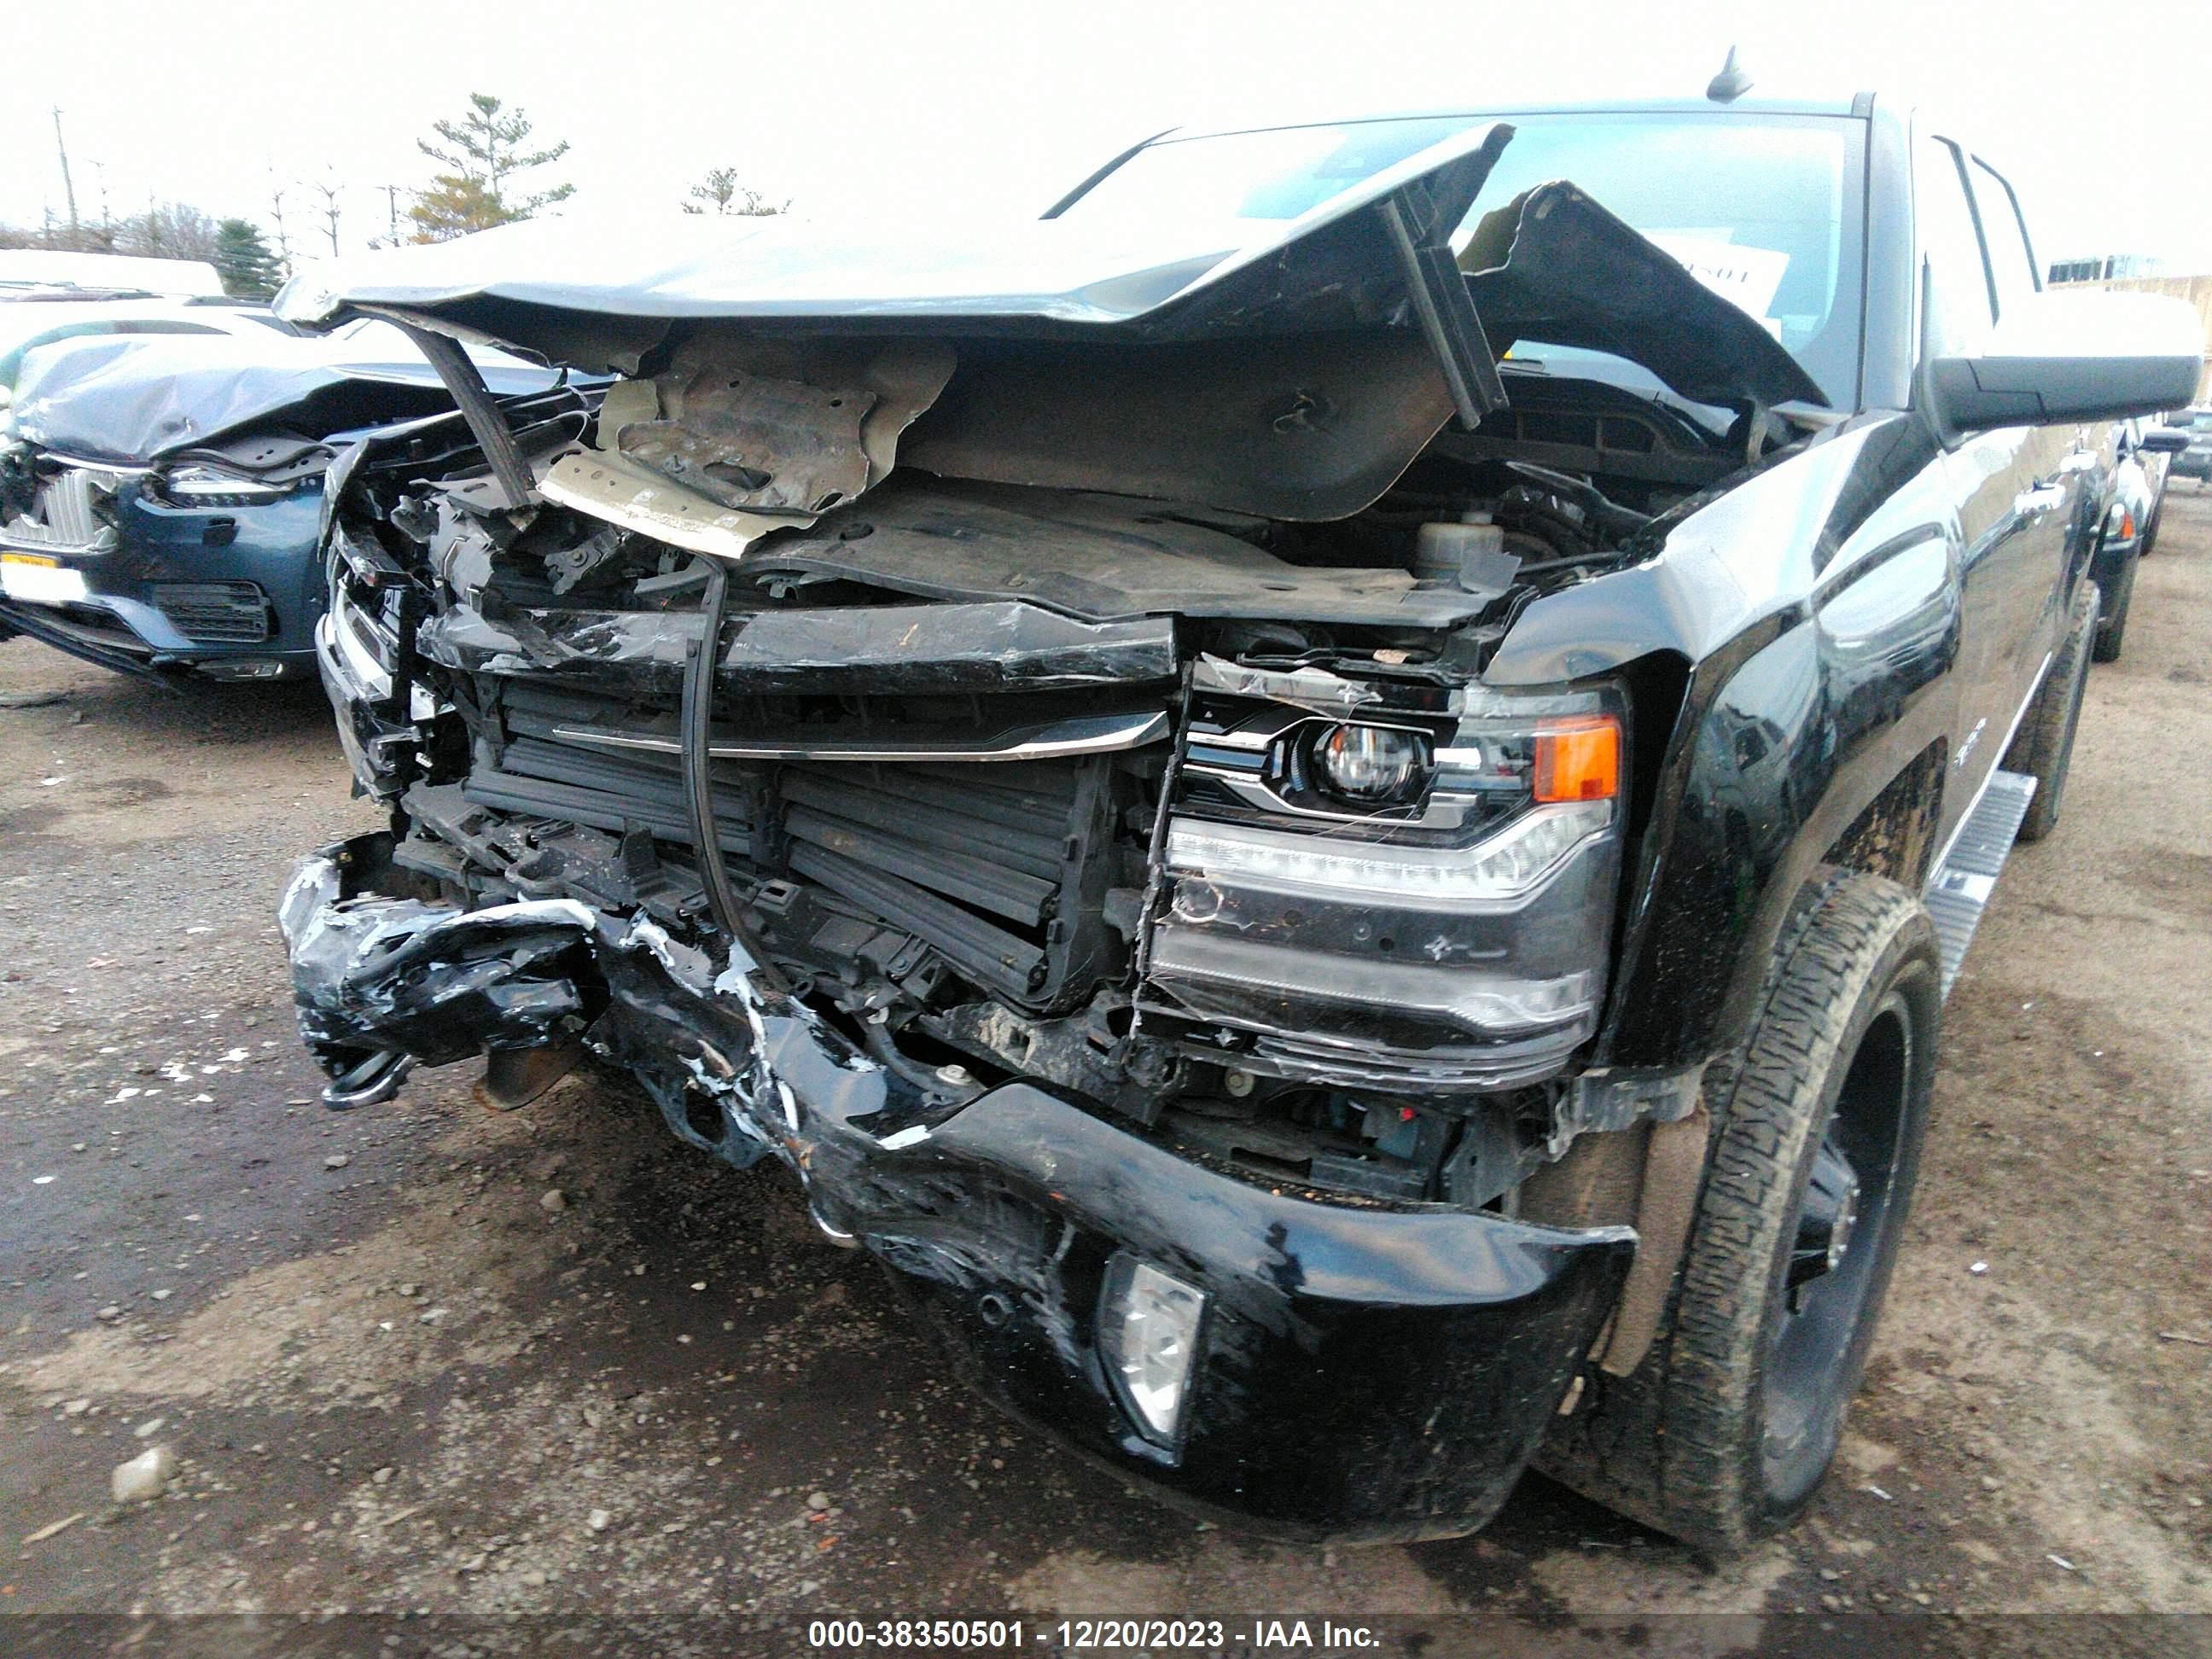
x: 401, y: 1374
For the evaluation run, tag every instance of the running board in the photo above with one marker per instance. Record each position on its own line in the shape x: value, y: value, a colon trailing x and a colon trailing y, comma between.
x: 1959, y: 892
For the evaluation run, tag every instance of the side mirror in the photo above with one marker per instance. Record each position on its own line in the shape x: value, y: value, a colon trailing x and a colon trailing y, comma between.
x: 2070, y: 357
x: 2163, y: 440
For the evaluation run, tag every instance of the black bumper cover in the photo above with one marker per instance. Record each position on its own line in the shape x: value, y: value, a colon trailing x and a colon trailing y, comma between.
x: 1363, y: 1372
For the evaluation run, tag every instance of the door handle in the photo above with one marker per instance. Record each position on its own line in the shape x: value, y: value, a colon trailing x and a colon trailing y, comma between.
x: 2044, y: 498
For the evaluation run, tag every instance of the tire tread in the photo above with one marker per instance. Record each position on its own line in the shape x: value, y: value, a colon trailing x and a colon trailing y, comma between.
x: 1676, y: 1443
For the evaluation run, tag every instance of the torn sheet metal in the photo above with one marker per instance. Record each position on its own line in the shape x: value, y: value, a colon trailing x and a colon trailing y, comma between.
x: 779, y: 426
x: 403, y: 975
x: 742, y: 437
x: 885, y: 650
x: 770, y: 445
x: 609, y: 488
x: 1553, y: 266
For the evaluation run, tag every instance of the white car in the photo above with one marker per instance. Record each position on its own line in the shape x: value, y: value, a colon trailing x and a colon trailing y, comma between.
x: 25, y: 268
x: 26, y: 325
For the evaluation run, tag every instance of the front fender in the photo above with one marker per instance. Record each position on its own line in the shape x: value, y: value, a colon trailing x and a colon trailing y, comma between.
x: 1819, y: 606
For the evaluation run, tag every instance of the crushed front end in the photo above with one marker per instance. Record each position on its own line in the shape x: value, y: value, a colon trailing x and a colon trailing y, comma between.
x: 1174, y: 1008
x: 1038, y: 783
x: 207, y: 565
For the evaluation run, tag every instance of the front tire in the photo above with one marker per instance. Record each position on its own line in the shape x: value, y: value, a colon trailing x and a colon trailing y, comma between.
x: 2044, y: 746
x: 1726, y: 1429
x: 2113, y: 621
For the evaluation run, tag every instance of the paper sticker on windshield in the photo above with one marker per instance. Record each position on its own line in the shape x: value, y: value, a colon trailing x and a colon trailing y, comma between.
x: 1748, y: 276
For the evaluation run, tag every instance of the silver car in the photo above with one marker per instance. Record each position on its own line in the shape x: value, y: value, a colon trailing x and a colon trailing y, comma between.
x: 2196, y: 461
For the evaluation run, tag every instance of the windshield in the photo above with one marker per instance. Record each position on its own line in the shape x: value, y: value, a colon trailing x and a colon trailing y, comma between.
x: 1764, y: 209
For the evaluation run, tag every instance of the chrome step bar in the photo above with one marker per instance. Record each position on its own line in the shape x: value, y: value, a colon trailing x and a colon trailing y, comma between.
x: 1959, y: 892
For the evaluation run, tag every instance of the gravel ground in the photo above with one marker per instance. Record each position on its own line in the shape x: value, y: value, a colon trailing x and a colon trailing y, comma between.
x: 398, y: 1373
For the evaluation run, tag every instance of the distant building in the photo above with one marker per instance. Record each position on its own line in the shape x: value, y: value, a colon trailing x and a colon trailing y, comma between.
x: 2106, y: 267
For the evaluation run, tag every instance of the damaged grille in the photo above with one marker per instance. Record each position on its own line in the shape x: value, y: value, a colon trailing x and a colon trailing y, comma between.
x: 973, y: 861
x: 999, y: 868
x: 72, y: 515
x: 216, y: 613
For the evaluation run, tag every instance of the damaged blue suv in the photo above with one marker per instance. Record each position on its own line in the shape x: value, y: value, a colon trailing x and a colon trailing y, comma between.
x: 162, y: 495
x: 1328, y: 797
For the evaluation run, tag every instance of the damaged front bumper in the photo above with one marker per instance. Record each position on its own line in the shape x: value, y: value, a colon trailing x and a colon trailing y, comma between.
x: 228, y: 590
x: 1358, y: 1371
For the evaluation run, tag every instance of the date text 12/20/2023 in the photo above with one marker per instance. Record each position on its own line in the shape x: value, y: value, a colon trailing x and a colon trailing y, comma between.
x: 1092, y: 1635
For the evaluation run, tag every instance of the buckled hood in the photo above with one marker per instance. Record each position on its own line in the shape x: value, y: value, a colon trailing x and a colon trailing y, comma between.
x: 139, y: 398
x: 1291, y: 369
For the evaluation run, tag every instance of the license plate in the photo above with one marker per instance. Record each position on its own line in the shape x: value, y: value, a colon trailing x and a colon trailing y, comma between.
x: 36, y: 580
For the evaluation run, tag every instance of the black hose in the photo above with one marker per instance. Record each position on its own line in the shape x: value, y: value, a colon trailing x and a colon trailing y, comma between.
x: 877, y: 1041
x: 698, y: 719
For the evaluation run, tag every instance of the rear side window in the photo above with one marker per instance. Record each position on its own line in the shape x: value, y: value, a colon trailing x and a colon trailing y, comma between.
x: 2010, y: 262
x: 1958, y: 283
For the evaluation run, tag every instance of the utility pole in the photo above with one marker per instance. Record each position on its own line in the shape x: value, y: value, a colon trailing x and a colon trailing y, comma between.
x: 392, y: 206
x: 68, y: 188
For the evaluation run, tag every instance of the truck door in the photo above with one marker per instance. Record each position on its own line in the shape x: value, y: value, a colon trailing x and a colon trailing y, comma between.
x: 2065, y: 467
x: 1990, y: 475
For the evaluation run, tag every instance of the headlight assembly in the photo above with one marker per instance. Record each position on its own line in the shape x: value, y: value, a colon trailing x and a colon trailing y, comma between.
x: 1379, y: 764
x: 1498, y: 868
x: 204, y: 486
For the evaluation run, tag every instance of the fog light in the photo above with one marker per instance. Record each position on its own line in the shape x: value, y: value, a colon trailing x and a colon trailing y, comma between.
x: 1148, y: 1326
x: 1373, y: 762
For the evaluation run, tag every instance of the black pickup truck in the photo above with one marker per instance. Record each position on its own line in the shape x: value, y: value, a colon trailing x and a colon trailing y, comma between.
x: 1327, y: 797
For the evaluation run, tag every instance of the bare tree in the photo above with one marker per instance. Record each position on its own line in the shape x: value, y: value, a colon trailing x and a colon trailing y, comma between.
x: 277, y: 224
x: 330, y: 190
x: 719, y: 194
x: 169, y: 230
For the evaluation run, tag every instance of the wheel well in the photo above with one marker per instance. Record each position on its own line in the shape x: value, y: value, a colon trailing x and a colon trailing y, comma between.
x: 1657, y: 686
x: 1895, y: 835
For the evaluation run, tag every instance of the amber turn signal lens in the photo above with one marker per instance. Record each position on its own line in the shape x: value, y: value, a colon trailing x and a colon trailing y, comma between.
x: 1578, y: 759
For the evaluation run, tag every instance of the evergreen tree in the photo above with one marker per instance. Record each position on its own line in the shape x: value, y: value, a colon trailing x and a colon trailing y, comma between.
x: 482, y: 153
x: 249, y: 267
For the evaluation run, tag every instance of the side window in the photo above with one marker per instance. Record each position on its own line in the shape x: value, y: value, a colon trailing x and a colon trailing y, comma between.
x: 1958, y: 285
x: 2010, y: 261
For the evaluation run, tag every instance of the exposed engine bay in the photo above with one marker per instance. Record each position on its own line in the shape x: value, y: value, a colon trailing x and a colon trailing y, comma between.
x: 1165, y: 806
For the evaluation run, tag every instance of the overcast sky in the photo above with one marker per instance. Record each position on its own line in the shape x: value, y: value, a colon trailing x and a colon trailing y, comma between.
x: 2102, y: 114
